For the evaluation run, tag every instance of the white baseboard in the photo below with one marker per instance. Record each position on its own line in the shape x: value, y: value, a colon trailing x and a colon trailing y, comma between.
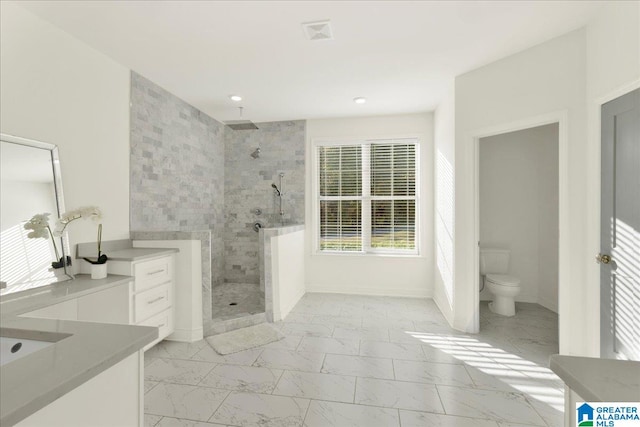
x: 186, y: 335
x: 362, y: 290
x: 551, y: 304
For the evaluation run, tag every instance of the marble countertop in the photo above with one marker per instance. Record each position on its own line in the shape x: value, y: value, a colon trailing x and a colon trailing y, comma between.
x: 599, y: 380
x: 34, y: 381
x: 36, y: 298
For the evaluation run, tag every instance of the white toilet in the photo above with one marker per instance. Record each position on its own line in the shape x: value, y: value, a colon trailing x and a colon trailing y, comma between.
x: 494, y: 264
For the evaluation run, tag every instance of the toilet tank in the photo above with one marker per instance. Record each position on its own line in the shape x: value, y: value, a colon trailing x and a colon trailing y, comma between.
x: 494, y: 261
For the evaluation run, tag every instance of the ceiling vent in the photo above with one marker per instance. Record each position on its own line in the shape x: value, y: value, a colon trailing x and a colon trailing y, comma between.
x: 319, y: 30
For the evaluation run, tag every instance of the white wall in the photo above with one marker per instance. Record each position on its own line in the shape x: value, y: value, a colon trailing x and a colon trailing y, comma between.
x: 518, y: 204
x: 287, y: 269
x: 548, y: 222
x: 444, y: 162
x: 58, y: 90
x: 571, y: 75
x: 613, y: 68
x: 544, y: 79
x: 374, y: 274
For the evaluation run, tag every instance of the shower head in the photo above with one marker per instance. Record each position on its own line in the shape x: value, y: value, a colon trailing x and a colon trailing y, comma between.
x: 241, y: 124
x: 256, y: 153
x: 275, y: 187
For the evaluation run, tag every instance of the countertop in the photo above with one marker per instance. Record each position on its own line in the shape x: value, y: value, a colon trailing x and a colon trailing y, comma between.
x: 34, y: 381
x: 599, y: 380
x: 33, y: 299
x: 85, y: 350
x: 122, y: 250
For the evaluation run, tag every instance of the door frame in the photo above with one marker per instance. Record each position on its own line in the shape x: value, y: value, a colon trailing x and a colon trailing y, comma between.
x: 594, y: 133
x: 560, y: 117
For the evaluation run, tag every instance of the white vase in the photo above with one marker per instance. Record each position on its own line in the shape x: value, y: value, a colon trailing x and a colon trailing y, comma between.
x: 98, y: 271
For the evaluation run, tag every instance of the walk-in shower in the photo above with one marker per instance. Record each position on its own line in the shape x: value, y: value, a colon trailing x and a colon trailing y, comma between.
x: 253, y: 161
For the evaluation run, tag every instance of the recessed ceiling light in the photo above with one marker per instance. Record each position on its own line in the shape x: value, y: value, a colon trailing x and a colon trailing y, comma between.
x: 359, y: 100
x: 236, y: 98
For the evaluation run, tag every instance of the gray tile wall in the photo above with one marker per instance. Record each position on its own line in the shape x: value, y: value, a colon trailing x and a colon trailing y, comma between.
x: 247, y: 186
x: 177, y: 167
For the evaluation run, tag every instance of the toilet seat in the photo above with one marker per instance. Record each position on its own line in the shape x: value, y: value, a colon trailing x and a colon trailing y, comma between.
x: 503, y: 280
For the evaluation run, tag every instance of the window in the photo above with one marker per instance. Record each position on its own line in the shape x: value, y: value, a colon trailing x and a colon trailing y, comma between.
x: 367, y: 196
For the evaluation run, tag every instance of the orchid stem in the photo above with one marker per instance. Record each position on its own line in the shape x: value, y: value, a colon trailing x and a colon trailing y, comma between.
x: 99, y: 239
x: 53, y: 242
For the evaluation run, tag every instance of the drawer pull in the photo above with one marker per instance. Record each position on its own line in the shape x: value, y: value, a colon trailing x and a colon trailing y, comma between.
x: 161, y: 325
x: 155, y: 272
x: 155, y: 300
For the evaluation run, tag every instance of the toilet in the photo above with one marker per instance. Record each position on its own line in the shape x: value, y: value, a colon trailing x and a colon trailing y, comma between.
x: 494, y: 266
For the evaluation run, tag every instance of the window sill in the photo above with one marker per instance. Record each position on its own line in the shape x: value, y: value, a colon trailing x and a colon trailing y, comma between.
x: 366, y: 254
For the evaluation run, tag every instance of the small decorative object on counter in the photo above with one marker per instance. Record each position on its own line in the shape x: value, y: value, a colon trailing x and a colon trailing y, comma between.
x: 99, y: 265
x: 39, y: 226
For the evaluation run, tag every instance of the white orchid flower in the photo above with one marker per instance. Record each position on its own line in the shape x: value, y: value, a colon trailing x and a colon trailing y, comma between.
x: 39, y: 226
x: 92, y: 212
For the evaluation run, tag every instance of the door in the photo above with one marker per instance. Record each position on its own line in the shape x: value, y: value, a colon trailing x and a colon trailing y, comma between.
x: 620, y: 229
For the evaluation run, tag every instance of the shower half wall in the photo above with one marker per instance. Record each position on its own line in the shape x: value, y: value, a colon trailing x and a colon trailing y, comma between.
x: 247, y: 188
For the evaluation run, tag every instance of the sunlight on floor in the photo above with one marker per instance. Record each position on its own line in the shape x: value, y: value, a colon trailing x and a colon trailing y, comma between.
x: 520, y: 374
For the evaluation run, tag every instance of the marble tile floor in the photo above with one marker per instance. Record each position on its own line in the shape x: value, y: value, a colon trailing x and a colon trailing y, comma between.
x: 245, y: 297
x: 365, y: 361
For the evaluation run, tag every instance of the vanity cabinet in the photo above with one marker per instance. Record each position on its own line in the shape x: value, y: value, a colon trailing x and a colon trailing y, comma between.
x: 151, y: 299
x: 114, y: 397
x: 67, y: 310
x: 147, y: 300
x: 110, y: 305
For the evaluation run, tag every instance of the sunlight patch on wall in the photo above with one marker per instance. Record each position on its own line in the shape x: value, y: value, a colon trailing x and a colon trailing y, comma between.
x: 444, y: 223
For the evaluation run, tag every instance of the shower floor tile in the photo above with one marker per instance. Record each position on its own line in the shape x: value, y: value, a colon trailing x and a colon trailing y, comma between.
x: 245, y: 297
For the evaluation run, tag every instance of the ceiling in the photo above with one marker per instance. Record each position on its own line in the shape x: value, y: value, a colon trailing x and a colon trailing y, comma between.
x: 399, y: 55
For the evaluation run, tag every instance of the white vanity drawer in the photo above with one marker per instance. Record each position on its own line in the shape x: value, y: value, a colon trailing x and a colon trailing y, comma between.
x: 164, y: 322
x: 153, y: 301
x: 151, y: 273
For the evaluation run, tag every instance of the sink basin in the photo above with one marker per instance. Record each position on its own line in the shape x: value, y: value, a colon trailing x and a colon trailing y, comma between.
x: 15, y: 344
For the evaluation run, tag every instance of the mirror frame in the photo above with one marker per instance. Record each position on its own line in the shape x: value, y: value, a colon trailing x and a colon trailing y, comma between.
x: 57, y: 183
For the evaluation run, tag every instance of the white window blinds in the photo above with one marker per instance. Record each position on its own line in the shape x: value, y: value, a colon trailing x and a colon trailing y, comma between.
x: 341, y: 198
x: 393, y: 191
x: 367, y: 196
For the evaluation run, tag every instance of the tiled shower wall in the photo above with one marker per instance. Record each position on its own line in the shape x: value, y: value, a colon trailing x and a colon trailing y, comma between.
x: 177, y: 168
x: 247, y: 187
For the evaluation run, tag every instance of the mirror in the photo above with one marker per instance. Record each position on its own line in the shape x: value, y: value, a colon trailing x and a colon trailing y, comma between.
x: 30, y: 184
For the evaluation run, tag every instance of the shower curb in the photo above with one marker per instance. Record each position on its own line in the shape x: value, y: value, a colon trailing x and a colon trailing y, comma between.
x: 220, y: 326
